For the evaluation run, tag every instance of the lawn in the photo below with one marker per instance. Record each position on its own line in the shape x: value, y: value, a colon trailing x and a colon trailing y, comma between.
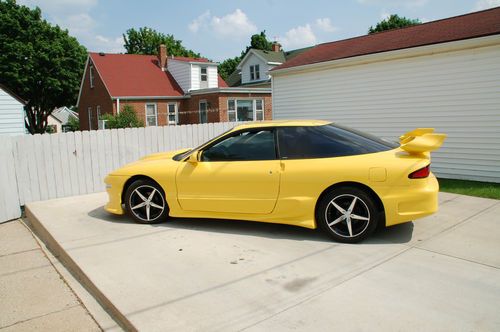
x: 471, y: 188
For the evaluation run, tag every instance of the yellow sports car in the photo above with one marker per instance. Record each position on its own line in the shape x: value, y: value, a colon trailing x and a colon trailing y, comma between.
x: 302, y: 173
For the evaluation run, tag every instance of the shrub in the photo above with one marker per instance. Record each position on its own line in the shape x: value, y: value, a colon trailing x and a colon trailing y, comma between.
x: 127, y: 118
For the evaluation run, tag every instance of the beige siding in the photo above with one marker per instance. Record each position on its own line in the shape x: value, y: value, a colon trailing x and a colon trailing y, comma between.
x: 11, y: 115
x: 457, y: 93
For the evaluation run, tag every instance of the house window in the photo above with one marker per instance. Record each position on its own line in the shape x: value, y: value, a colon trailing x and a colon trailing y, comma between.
x: 151, y: 115
x: 91, y: 71
x: 203, y: 111
x: 100, y: 123
x: 173, y: 116
x: 203, y: 77
x: 259, y: 109
x: 245, y: 109
x: 254, y: 72
x: 91, y: 118
x: 231, y: 110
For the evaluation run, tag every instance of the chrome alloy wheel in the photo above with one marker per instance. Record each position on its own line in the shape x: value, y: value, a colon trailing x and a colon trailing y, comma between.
x: 147, y: 203
x: 347, y: 215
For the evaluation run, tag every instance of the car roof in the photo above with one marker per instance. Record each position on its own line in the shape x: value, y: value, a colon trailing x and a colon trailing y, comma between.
x: 282, y: 123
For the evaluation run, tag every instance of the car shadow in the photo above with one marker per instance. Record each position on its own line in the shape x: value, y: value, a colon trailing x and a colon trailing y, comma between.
x: 395, y: 234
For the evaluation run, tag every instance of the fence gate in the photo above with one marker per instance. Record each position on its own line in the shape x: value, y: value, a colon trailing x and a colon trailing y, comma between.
x: 9, y: 192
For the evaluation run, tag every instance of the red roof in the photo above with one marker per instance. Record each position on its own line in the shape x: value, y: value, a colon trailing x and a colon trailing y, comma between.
x: 222, y: 83
x: 478, y: 24
x: 138, y: 75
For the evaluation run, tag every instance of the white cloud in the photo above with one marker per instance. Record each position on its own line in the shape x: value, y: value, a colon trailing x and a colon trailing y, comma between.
x: 300, y: 36
x: 77, y: 24
x: 401, y: 3
x: 75, y: 15
x: 199, y: 22
x: 485, y: 4
x: 112, y: 45
x: 325, y: 24
x: 233, y: 25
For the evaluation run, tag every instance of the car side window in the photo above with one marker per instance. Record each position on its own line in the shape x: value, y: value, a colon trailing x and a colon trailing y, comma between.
x: 325, y: 142
x: 247, y: 145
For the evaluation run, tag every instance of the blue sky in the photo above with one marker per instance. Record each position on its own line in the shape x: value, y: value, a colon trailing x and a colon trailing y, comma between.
x: 219, y: 29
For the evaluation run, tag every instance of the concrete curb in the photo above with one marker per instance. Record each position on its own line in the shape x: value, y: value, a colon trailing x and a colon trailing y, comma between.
x: 77, y: 272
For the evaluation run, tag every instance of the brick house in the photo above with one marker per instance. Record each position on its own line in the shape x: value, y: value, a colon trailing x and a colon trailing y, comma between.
x: 165, y: 90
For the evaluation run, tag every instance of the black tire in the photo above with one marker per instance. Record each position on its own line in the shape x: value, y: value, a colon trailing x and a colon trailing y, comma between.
x: 152, y: 195
x: 334, y: 217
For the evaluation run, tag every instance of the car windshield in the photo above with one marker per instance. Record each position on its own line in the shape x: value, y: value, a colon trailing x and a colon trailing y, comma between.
x: 183, y: 155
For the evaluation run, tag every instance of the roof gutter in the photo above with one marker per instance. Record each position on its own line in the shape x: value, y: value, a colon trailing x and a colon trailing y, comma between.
x: 393, y: 55
x: 230, y: 90
x: 121, y: 98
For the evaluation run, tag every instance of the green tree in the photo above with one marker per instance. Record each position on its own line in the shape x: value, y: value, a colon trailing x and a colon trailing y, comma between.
x: 393, y: 22
x: 147, y: 40
x: 127, y: 118
x: 227, y: 66
x: 73, y: 124
x: 40, y: 62
x: 257, y: 41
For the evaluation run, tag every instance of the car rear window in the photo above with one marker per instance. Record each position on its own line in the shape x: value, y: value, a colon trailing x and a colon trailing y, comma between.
x: 327, y: 141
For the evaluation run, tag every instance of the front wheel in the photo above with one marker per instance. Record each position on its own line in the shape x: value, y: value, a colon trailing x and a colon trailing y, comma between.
x: 347, y: 214
x: 145, y: 202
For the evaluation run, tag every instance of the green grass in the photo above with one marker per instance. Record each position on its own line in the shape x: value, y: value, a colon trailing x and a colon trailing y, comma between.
x: 471, y: 188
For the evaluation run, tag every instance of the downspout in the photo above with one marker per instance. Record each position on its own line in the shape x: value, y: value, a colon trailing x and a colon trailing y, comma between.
x: 117, y: 105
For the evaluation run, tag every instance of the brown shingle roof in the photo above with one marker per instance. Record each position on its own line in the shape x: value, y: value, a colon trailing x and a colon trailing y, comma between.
x: 478, y: 24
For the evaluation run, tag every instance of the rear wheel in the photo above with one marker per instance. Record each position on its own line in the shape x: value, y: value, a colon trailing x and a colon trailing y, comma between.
x: 145, y: 202
x: 347, y: 214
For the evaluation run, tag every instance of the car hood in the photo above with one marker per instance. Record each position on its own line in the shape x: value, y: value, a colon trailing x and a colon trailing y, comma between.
x: 163, y: 155
x: 133, y: 167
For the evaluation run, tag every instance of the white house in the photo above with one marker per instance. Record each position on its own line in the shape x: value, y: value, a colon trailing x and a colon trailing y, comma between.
x: 253, y: 69
x: 59, y: 119
x: 443, y: 74
x: 11, y: 113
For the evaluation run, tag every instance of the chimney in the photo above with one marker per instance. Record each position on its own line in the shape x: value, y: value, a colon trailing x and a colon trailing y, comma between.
x: 162, y: 57
x: 276, y: 47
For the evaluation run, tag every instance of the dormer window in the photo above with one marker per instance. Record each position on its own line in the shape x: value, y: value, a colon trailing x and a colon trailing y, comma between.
x: 91, y: 73
x: 254, y: 72
x: 203, y: 77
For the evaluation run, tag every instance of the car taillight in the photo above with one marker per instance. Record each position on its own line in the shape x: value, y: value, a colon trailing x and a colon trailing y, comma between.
x: 421, y: 173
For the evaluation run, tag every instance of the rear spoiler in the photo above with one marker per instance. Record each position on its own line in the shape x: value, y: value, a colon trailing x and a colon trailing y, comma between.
x: 421, y: 140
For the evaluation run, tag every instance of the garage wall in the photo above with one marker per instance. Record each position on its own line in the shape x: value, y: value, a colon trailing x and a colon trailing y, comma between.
x: 457, y: 93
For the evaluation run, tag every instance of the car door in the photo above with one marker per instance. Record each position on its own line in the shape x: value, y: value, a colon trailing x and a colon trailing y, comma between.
x: 237, y: 174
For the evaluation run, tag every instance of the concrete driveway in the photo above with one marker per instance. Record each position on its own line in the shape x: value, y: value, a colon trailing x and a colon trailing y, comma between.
x: 438, y: 273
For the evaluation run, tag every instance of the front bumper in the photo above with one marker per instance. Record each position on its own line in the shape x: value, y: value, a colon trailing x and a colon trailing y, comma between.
x: 114, y: 188
x: 409, y: 203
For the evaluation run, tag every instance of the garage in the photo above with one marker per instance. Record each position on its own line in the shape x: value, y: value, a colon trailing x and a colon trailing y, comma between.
x: 443, y: 74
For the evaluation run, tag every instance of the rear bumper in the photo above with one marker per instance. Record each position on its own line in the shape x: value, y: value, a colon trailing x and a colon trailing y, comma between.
x: 414, y: 202
x: 114, y: 188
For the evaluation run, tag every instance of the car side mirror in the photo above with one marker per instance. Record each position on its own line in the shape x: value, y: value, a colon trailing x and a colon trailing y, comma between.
x: 193, y: 157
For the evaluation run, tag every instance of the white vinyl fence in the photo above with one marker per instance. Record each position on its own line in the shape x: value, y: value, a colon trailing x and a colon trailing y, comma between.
x: 41, y: 167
